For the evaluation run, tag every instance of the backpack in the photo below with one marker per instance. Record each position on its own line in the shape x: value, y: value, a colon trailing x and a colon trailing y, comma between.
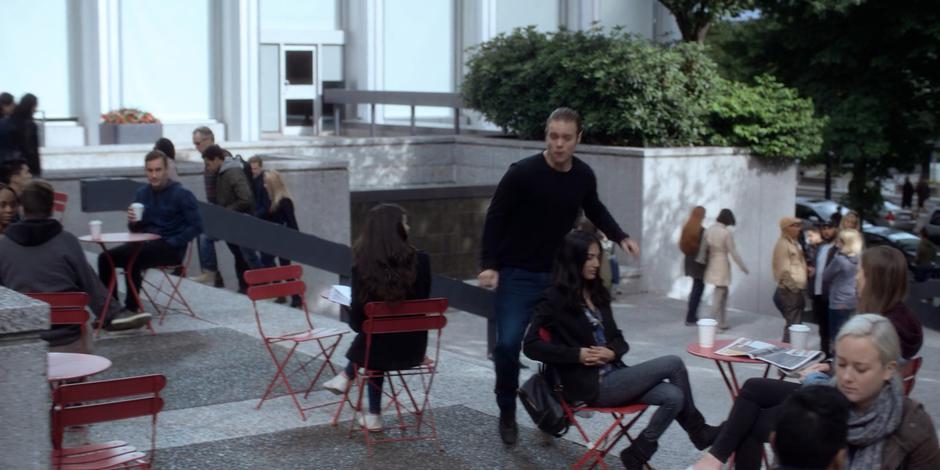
x: 541, y: 401
x: 246, y: 167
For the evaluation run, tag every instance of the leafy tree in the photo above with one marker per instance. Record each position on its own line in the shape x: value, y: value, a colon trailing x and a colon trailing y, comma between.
x: 873, y: 66
x: 695, y: 17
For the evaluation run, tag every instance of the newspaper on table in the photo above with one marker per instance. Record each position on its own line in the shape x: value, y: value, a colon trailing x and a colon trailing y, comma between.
x: 779, y: 356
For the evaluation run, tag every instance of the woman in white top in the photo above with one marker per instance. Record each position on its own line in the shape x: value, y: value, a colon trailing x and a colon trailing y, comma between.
x: 718, y: 269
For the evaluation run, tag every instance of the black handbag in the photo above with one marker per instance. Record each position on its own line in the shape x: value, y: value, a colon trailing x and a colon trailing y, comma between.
x: 540, y: 398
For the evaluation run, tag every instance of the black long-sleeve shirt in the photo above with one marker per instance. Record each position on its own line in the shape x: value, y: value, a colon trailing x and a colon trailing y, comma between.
x: 284, y: 214
x: 532, y: 210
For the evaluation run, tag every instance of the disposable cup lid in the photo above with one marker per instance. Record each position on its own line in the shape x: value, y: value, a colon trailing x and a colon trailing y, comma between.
x: 707, y: 322
x: 799, y: 327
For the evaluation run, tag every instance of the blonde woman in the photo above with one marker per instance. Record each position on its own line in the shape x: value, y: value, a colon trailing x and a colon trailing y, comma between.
x: 280, y: 212
x: 840, y: 279
x: 718, y: 269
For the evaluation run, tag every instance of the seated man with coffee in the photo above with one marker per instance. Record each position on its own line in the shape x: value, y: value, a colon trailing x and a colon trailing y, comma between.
x: 163, y: 207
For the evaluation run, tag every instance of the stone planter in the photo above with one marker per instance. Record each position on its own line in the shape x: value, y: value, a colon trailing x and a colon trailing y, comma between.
x: 110, y: 134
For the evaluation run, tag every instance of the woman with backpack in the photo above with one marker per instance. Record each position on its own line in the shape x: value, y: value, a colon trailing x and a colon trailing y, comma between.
x: 692, y: 246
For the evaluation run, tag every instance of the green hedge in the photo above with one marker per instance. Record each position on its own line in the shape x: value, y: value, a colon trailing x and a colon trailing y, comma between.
x: 630, y: 91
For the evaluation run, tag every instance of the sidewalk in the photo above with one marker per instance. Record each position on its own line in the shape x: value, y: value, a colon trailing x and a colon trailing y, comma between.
x: 216, y: 372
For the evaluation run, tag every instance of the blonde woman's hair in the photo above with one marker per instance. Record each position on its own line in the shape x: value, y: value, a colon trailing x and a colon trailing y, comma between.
x: 852, y: 242
x: 879, y: 329
x: 853, y: 216
x: 277, y: 190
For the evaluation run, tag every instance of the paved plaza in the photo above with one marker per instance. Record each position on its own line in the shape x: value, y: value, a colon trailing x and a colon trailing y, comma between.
x: 217, y: 369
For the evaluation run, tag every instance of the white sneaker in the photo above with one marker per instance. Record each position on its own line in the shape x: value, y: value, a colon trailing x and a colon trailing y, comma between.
x: 338, y: 384
x: 371, y: 422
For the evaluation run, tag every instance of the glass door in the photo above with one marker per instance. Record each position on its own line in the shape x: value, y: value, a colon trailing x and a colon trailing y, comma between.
x: 299, y: 90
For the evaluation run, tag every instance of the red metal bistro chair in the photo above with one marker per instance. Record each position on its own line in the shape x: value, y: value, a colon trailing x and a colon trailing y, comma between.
x: 165, y: 294
x: 96, y: 402
x: 624, y: 417
x: 908, y: 373
x: 65, y: 308
x: 285, y: 281
x: 59, y: 202
x: 401, y: 317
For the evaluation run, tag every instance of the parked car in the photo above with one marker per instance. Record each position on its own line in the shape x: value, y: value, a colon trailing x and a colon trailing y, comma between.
x: 891, y: 214
x: 933, y: 227
x: 905, y: 242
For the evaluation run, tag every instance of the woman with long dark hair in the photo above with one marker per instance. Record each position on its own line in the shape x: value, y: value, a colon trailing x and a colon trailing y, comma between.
x: 586, y: 349
x: 693, y: 246
x: 386, y: 268
x: 25, y: 133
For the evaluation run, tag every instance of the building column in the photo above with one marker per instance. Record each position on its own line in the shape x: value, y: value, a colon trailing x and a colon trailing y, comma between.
x: 238, y: 48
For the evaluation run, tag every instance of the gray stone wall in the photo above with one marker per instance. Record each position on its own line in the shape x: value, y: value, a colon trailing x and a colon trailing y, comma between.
x: 24, y: 390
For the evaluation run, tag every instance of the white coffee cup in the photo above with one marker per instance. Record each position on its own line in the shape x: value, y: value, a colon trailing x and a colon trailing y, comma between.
x: 799, y: 334
x: 706, y: 332
x: 94, y: 227
x: 138, y: 209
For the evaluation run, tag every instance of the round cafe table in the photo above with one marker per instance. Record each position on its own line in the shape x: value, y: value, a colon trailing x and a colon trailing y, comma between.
x: 723, y: 362
x: 72, y: 366
x: 136, y: 240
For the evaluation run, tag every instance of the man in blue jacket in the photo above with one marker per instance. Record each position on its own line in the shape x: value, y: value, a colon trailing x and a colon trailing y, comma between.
x: 169, y: 211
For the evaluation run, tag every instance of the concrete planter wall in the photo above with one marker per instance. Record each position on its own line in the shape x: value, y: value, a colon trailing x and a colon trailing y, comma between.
x: 121, y: 134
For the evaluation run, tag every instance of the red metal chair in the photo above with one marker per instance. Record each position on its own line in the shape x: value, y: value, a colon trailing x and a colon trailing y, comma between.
x: 65, y: 308
x: 401, y: 317
x: 909, y: 373
x: 598, y: 448
x: 96, y: 402
x: 166, y: 296
x: 59, y: 202
x: 285, y: 281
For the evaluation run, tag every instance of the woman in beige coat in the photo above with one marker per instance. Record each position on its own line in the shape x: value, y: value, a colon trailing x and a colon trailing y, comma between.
x: 718, y: 269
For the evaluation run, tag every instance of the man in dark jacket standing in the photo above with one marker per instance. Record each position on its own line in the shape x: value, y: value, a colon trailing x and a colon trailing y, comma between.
x: 536, y: 204
x: 170, y: 211
x: 233, y: 192
x: 37, y: 255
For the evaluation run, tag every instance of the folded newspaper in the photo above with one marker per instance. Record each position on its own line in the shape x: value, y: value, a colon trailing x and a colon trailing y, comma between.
x: 784, y: 358
x: 339, y: 294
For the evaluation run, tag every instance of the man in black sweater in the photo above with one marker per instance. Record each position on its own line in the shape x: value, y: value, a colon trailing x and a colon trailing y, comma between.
x: 536, y: 203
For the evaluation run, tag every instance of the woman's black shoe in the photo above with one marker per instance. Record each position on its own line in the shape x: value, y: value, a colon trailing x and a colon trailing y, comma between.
x: 640, y: 452
x: 508, y: 431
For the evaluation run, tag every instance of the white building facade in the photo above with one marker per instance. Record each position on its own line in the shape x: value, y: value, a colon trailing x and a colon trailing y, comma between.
x: 251, y: 68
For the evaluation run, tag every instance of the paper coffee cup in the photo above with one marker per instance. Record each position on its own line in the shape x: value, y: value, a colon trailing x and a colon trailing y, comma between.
x: 95, y: 228
x: 706, y: 332
x: 799, y: 334
x: 138, y: 209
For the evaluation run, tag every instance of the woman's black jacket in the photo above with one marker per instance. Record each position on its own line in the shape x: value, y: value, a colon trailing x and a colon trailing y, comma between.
x: 570, y: 331
x: 390, y: 351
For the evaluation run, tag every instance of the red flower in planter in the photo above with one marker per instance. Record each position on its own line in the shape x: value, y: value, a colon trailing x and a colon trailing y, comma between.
x: 129, y: 116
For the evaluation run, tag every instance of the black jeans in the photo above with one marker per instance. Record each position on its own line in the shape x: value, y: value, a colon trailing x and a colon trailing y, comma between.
x: 695, y: 298
x: 240, y: 266
x: 155, y: 253
x: 790, y: 303
x: 753, y: 416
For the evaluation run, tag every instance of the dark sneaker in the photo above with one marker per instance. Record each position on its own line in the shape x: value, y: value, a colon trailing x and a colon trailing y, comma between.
x: 127, y: 320
x: 508, y: 431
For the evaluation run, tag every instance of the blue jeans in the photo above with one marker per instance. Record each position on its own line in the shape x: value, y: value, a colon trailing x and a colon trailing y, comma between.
x: 837, y: 318
x: 695, y: 298
x: 614, y: 271
x: 646, y: 383
x: 374, y: 391
x: 251, y: 257
x: 207, y: 259
x: 516, y: 294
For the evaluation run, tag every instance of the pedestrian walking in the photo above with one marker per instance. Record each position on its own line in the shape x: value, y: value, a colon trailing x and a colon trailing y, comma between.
x: 790, y: 273
x: 692, y: 244
x: 721, y: 246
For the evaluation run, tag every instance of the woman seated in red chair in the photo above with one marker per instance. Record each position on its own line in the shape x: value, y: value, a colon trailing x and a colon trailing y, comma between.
x: 586, y: 347
x: 386, y: 269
